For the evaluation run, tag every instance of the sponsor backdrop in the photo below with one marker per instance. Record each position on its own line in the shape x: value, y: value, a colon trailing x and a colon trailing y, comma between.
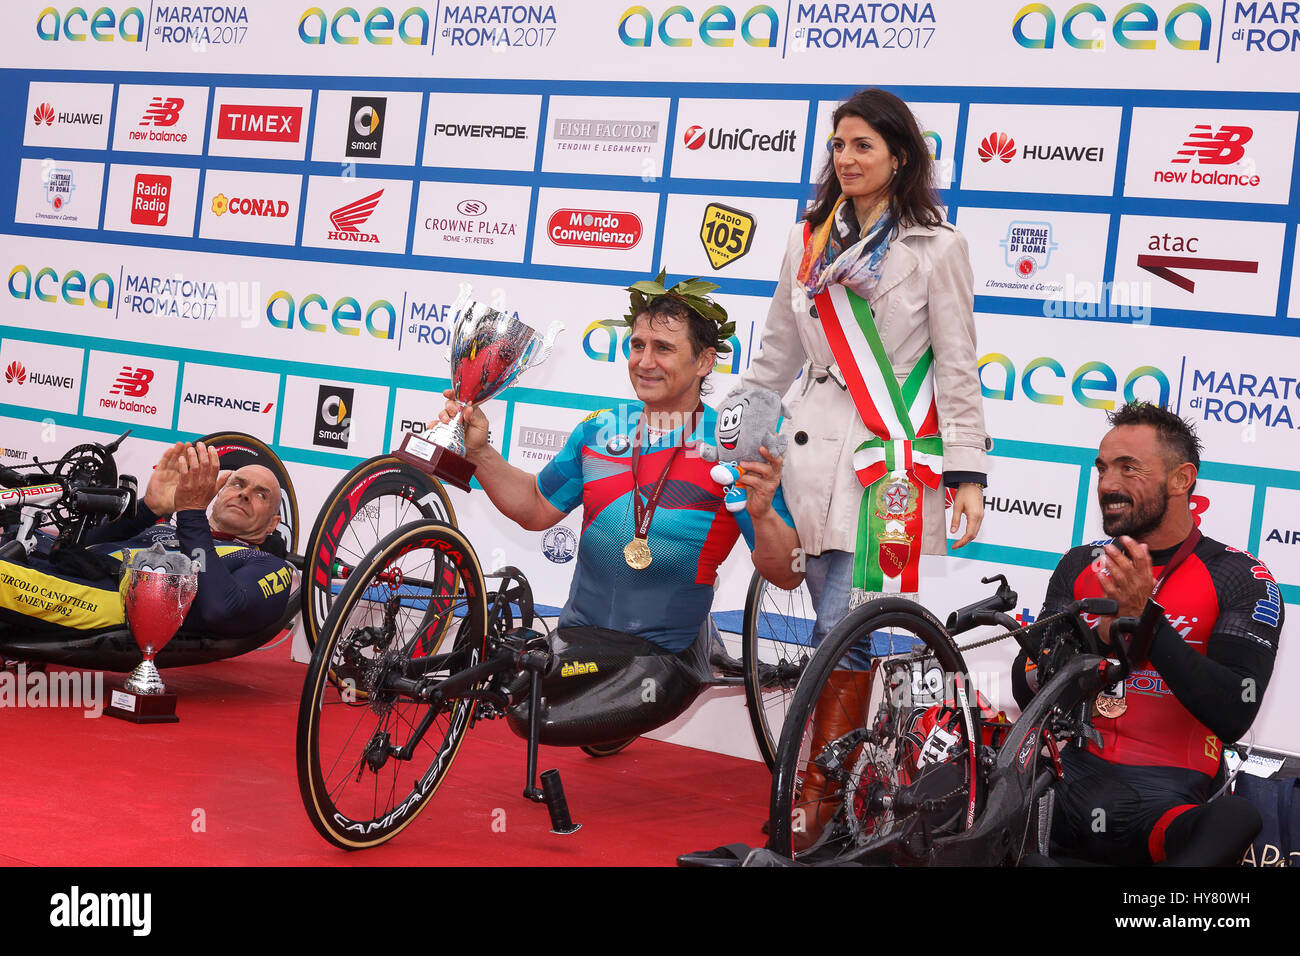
x: 257, y: 216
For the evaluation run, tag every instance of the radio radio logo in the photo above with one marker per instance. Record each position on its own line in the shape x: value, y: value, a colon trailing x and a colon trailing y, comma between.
x: 727, y: 233
x: 150, y: 199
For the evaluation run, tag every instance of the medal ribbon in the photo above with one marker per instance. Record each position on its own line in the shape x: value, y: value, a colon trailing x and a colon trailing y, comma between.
x: 643, y: 512
x: 905, y: 451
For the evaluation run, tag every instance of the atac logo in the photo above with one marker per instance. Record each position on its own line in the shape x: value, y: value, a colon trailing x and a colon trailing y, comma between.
x: 1135, y: 26
x: 679, y: 26
x: 559, y: 545
x: 604, y: 339
x: 1028, y: 247
x: 103, y: 25
x: 346, y: 28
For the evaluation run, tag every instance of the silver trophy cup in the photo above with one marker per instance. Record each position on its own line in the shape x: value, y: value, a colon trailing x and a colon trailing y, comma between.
x: 157, y: 588
x: 489, y: 350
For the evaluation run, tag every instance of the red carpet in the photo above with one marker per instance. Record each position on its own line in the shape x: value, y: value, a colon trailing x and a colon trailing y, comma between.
x: 220, y: 789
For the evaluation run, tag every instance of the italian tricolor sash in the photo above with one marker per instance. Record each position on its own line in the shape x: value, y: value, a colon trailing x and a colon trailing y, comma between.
x: 904, y: 453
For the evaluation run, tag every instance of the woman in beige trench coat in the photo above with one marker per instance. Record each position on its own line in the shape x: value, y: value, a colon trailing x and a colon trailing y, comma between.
x: 876, y: 228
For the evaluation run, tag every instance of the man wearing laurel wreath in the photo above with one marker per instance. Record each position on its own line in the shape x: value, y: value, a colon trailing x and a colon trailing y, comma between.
x: 654, y: 525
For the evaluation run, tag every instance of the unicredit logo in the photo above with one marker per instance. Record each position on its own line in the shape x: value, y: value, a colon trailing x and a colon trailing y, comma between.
x: 1210, y: 148
x: 594, y: 228
x: 747, y: 140
x: 997, y: 146
x: 347, y: 218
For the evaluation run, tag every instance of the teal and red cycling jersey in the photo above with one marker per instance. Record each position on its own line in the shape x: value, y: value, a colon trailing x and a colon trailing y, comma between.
x: 690, y: 534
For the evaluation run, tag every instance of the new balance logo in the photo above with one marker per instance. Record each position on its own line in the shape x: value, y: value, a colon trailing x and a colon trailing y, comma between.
x: 133, y: 382
x: 163, y: 111
x: 1222, y: 148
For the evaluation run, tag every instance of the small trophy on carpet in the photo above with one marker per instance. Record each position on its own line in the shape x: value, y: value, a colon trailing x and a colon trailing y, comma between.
x: 157, y: 587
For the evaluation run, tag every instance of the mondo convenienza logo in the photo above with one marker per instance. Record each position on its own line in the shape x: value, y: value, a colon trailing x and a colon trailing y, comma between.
x: 714, y: 26
x: 1135, y: 26
x: 594, y: 228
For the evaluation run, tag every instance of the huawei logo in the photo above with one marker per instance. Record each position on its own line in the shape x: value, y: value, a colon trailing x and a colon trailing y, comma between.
x: 997, y: 146
x: 16, y: 373
x: 44, y: 115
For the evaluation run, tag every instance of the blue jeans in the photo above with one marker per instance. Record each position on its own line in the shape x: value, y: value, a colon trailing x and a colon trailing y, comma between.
x: 829, y: 577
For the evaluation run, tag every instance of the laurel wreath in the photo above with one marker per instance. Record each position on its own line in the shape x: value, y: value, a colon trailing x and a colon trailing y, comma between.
x: 693, y: 293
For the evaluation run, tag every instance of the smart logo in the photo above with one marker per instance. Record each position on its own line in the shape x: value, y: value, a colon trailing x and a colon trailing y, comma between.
x: 73, y: 287
x: 345, y: 315
x: 1089, y: 377
x: 77, y: 25
x: 1135, y: 27
x: 412, y: 26
x: 759, y: 27
x: 333, y: 416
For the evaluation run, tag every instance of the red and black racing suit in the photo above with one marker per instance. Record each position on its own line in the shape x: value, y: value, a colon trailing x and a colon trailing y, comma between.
x: 1138, y: 797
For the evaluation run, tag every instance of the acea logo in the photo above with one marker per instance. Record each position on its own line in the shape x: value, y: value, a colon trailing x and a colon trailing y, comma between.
x: 678, y: 26
x: 604, y: 339
x: 45, y: 285
x: 1135, y: 26
x: 345, y: 26
x: 103, y: 25
x: 346, y: 317
x: 1092, y: 385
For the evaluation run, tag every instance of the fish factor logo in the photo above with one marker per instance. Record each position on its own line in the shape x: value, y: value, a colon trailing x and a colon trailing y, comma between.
x: 607, y: 136
x: 727, y: 233
x: 365, y: 134
x: 333, y: 417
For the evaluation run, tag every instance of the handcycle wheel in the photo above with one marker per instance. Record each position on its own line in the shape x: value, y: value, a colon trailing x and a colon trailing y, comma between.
x: 415, y: 608
x: 235, y: 449
x: 608, y: 749
x: 370, y: 501
x: 776, y: 646
x: 899, y: 752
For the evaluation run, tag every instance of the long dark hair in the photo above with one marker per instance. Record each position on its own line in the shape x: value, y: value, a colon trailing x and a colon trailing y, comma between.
x: 912, y: 198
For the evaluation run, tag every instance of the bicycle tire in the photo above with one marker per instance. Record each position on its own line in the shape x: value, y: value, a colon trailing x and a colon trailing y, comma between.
x: 607, y: 749
x: 349, y: 716
x: 237, y: 449
x: 776, y: 645
x: 375, y: 497
x: 878, y: 757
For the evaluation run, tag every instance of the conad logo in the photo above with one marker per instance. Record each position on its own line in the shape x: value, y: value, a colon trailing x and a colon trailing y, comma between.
x: 594, y: 228
x: 1096, y: 377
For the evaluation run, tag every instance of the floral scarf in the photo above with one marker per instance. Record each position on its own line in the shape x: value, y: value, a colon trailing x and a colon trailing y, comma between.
x: 829, y: 256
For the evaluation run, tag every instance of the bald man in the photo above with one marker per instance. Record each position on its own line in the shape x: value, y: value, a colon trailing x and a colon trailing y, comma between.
x: 242, y: 588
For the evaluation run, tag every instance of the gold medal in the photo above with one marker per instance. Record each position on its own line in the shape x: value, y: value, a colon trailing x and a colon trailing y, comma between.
x: 637, y: 554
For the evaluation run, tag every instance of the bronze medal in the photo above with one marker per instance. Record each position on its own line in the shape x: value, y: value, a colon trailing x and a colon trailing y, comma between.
x: 1111, y: 707
x: 637, y: 554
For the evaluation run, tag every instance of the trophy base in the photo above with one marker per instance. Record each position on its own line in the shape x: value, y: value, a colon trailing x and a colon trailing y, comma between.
x: 141, y: 708
x: 442, y: 463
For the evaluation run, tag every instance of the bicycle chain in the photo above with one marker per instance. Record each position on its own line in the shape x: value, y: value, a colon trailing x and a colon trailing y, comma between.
x: 974, y: 645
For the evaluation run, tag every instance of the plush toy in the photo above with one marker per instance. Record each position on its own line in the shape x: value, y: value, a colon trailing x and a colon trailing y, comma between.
x: 747, y: 419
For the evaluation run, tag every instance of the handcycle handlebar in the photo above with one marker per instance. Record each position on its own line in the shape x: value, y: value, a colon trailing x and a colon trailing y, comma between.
x: 102, y: 501
x: 973, y: 615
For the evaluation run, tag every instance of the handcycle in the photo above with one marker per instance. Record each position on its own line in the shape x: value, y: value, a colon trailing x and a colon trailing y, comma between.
x: 70, y: 495
x: 926, y: 775
x: 416, y: 650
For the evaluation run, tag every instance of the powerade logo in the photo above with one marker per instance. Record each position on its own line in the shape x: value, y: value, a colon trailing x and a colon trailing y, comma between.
x: 601, y: 343
x: 1136, y: 26
x: 346, y: 28
x: 103, y: 25
x: 678, y: 26
x: 45, y: 285
x: 1092, y: 384
x: 345, y: 316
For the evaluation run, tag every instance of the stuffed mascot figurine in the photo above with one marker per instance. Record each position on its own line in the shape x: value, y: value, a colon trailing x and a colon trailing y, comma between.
x: 747, y: 419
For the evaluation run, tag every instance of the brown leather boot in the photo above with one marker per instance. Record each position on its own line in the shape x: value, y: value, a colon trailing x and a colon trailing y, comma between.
x: 842, y: 707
